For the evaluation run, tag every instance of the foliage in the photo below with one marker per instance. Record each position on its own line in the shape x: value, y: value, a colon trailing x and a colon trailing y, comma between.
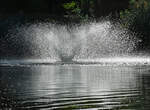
x: 80, y: 9
x: 70, y: 5
x: 137, y: 18
x: 136, y: 10
x: 72, y: 9
x: 137, y: 4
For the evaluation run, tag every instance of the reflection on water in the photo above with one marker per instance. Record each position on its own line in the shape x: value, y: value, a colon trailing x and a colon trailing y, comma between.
x: 75, y: 87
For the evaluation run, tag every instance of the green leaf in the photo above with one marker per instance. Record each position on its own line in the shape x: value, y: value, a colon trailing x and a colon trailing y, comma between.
x: 70, y: 5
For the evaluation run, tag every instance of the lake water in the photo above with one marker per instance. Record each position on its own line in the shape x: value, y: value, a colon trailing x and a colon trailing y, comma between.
x: 74, y: 87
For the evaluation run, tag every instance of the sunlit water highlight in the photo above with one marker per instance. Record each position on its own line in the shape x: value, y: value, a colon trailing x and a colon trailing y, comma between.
x: 115, y: 61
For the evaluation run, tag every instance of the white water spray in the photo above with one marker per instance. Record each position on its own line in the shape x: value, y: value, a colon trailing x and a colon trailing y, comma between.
x: 89, y: 41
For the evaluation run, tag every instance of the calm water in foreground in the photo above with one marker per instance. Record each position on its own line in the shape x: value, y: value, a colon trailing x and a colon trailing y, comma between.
x: 68, y: 87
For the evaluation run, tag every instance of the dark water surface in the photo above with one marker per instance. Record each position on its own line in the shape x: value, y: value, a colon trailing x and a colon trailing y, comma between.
x: 67, y: 87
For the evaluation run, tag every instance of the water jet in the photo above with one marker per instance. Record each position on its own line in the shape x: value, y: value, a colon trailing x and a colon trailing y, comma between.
x: 91, y: 41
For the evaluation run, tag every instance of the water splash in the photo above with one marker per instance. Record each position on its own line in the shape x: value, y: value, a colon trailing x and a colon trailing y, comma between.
x: 66, y: 43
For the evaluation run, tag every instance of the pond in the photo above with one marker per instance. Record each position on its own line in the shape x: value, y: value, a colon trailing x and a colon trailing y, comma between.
x: 74, y: 87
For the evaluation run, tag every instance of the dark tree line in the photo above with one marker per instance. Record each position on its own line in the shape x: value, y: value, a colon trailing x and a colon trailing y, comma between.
x: 55, y: 7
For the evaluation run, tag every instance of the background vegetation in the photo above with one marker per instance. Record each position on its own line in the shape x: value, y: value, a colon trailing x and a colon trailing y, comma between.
x: 72, y: 9
x: 137, y: 19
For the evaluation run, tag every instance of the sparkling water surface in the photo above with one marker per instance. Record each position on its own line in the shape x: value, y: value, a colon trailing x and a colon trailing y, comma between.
x: 75, y: 87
